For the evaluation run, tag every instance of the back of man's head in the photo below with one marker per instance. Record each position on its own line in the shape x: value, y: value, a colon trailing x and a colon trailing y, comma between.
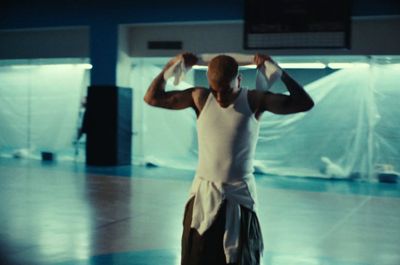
x: 222, y: 70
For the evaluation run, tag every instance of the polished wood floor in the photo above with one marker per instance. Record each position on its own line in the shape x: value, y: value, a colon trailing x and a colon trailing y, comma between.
x: 66, y: 213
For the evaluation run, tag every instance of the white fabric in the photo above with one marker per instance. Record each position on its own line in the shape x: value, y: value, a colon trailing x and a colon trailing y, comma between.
x: 177, y: 70
x: 227, y: 139
x: 267, y: 74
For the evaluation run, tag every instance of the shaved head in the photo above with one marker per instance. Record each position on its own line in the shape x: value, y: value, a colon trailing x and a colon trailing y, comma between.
x: 222, y: 70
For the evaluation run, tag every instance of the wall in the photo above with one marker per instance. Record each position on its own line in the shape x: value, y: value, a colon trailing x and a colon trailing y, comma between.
x: 369, y: 36
x: 44, y: 43
x: 58, y: 29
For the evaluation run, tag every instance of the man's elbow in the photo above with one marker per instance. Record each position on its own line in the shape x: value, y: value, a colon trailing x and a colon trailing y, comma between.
x: 149, y: 100
x: 304, y: 106
x: 307, y: 106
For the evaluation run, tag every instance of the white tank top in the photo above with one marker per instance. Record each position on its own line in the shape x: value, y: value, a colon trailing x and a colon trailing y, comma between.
x: 227, y: 139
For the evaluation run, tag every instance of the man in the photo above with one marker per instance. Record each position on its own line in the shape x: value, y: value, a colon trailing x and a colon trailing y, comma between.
x: 220, y: 221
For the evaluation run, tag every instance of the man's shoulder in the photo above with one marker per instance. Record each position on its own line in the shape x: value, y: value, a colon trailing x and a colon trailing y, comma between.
x: 201, y: 90
x: 257, y: 95
x: 253, y: 96
x: 255, y: 99
x: 255, y: 92
x: 199, y: 93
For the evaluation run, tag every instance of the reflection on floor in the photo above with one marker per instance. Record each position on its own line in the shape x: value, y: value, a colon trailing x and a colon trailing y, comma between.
x: 67, y: 214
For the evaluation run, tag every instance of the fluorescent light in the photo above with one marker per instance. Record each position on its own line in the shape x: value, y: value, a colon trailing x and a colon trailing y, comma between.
x: 82, y: 65
x: 292, y: 66
x: 346, y: 65
x: 21, y: 66
x: 249, y: 66
x: 302, y: 65
x: 200, y: 67
x: 86, y: 66
x: 282, y: 65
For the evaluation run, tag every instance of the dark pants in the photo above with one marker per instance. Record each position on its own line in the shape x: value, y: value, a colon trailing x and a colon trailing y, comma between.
x: 208, y: 249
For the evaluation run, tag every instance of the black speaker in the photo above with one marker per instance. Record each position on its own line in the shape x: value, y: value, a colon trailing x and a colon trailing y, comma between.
x: 108, y: 126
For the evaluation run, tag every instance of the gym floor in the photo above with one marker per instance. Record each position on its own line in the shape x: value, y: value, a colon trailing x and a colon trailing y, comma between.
x: 65, y: 213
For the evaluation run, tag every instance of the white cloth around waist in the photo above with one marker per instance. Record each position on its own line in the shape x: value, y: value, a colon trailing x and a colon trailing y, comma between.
x: 208, y: 199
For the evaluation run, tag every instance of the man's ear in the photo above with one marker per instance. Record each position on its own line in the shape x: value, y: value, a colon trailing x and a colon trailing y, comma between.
x: 239, y: 80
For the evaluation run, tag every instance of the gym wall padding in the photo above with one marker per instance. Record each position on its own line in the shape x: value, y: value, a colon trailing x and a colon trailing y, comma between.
x: 109, y: 124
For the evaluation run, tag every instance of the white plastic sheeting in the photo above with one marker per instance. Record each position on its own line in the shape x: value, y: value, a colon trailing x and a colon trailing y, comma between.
x: 163, y: 137
x: 352, y: 131
x: 40, y: 109
x: 345, y: 135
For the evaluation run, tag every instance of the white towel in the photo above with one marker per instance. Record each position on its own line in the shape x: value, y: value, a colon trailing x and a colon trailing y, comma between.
x: 177, y: 70
x: 267, y: 74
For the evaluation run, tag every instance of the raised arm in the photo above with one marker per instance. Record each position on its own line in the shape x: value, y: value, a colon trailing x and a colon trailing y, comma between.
x: 158, y: 97
x: 297, y: 101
